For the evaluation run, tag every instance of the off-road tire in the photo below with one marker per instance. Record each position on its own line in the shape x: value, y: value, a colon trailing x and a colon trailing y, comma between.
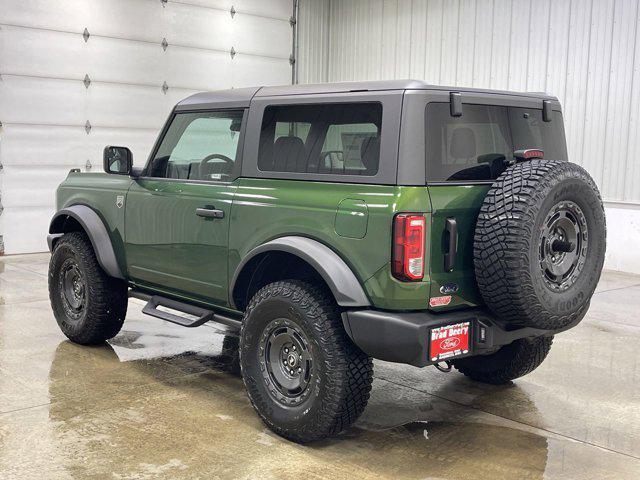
x: 340, y: 382
x: 510, y: 362
x: 230, y: 354
x: 509, y: 239
x: 104, y: 305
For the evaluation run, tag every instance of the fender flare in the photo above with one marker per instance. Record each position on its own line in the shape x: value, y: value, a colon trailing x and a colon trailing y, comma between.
x: 95, y: 230
x: 336, y: 273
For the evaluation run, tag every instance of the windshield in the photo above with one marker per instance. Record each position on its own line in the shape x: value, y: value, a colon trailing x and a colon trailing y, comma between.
x: 479, y: 145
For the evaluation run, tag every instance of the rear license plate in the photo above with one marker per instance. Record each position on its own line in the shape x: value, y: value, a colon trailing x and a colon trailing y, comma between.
x: 449, y: 341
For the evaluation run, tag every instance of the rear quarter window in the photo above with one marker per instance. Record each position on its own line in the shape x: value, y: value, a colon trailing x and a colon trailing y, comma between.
x: 341, y: 138
x: 479, y: 145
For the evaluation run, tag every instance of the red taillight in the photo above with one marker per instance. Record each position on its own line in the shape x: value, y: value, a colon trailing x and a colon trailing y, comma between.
x: 407, y: 262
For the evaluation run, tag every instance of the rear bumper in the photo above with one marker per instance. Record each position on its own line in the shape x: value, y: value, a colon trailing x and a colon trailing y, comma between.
x: 403, y: 337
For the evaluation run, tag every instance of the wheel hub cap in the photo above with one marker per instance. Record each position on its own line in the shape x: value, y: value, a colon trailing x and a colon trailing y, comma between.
x: 293, y: 360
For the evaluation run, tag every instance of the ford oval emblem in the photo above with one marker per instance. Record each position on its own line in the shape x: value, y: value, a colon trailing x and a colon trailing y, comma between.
x: 449, y: 288
x: 449, y: 343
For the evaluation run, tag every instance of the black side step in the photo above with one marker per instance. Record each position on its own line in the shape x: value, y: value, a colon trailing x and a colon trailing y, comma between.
x: 202, y: 315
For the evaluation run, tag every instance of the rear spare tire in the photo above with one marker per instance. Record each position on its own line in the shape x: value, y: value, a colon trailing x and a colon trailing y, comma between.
x: 539, y: 244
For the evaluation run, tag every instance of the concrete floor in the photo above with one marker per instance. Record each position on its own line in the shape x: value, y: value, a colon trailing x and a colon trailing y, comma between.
x: 160, y: 402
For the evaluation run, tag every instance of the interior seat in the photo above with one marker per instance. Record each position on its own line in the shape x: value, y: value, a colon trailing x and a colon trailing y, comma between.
x: 463, y: 144
x: 289, y: 154
x: 463, y: 150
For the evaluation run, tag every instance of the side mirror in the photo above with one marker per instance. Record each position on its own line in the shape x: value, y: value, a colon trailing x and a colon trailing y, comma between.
x: 117, y: 160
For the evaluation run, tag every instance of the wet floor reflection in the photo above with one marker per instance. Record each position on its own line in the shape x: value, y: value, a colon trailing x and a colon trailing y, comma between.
x: 400, y: 432
x: 161, y: 401
x: 186, y: 415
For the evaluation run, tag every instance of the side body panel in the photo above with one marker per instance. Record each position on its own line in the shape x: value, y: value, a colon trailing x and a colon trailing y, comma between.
x: 102, y: 193
x: 265, y: 209
x: 351, y: 214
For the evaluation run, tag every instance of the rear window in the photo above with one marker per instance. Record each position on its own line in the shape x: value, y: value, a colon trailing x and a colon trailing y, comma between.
x: 479, y: 145
x: 341, y: 139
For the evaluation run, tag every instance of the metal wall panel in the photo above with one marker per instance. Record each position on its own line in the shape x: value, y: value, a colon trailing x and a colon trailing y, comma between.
x: 45, y: 104
x: 587, y: 52
x: 313, y: 41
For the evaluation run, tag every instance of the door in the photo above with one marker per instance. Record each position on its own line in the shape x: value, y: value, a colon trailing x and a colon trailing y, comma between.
x: 177, y: 212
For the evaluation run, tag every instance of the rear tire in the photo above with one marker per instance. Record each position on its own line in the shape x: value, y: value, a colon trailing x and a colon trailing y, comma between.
x: 539, y: 244
x: 303, y: 375
x: 89, y: 306
x: 510, y: 362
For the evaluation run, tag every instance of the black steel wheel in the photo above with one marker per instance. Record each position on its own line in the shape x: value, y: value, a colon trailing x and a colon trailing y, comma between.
x: 303, y: 375
x: 72, y: 288
x: 89, y: 306
x: 563, y: 245
x: 286, y: 361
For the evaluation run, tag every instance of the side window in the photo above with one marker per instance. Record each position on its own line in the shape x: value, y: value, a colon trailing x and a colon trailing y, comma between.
x: 338, y: 138
x: 199, y: 146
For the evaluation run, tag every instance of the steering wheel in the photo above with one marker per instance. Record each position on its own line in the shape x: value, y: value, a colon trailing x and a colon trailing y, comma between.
x: 213, y: 156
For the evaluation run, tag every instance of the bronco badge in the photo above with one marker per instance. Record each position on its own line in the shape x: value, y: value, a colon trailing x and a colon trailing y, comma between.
x: 119, y: 201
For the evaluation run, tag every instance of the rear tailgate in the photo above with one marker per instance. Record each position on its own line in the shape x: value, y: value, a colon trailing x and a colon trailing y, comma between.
x: 464, y: 154
x: 454, y: 210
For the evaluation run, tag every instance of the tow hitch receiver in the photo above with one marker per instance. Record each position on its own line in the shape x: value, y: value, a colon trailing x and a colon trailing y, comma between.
x: 444, y: 369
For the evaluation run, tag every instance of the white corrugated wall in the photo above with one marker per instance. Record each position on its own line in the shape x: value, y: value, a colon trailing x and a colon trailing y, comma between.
x: 587, y: 52
x: 583, y: 51
x: 52, y: 120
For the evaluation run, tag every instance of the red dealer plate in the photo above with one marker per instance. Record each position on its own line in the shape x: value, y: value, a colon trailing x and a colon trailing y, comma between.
x: 449, y: 341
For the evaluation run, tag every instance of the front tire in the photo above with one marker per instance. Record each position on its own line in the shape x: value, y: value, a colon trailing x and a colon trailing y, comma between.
x: 89, y: 306
x: 303, y: 375
x: 510, y: 362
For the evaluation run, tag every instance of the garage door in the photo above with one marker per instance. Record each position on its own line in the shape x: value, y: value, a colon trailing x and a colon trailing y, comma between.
x: 76, y: 75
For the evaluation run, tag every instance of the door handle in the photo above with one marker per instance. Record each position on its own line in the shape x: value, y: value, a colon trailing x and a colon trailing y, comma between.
x: 209, y: 212
x: 451, y: 226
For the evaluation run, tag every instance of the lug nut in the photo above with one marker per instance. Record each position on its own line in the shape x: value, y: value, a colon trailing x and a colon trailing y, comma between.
x: 299, y: 369
x: 294, y: 347
x: 286, y: 350
x: 291, y: 371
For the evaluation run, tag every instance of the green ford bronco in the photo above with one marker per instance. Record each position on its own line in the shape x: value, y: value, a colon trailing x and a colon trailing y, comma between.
x: 331, y: 224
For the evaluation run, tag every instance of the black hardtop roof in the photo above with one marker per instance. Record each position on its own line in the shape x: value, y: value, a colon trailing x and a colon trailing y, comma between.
x: 235, y: 96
